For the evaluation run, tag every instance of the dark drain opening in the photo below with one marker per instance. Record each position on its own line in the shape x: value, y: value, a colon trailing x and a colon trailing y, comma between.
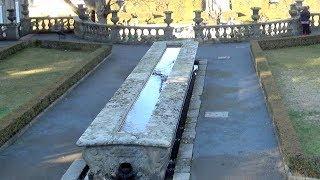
x: 125, y: 172
x: 180, y: 130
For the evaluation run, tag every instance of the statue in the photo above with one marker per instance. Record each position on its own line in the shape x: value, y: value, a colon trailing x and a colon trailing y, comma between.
x: 101, y: 7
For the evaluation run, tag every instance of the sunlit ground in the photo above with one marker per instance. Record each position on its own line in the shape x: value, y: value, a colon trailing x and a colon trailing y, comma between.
x: 297, y: 72
x: 25, y: 74
x: 52, y: 8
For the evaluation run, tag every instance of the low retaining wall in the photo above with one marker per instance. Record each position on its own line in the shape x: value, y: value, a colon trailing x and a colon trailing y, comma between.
x: 107, y: 146
x: 17, y: 119
x: 288, y: 140
x: 276, y: 43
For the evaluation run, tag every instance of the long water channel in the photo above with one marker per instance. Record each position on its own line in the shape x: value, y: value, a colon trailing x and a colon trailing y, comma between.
x: 141, y: 111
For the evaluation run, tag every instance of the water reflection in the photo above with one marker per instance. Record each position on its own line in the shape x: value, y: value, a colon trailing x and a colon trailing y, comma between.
x: 140, y: 113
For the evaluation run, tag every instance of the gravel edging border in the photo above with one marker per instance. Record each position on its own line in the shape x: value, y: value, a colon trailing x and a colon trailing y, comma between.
x: 289, y: 143
x: 13, y: 122
x: 184, y: 159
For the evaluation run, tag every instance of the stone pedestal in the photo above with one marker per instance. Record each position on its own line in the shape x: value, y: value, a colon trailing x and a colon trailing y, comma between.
x: 168, y: 31
x: 12, y: 32
x: 197, y: 25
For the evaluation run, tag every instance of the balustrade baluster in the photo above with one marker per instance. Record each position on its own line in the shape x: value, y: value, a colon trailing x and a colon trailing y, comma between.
x: 269, y: 30
x: 124, y: 36
x: 68, y: 24
x: 217, y: 32
x: 225, y: 34
x: 209, y: 35
x: 130, y: 35
x: 312, y: 21
x: 232, y: 34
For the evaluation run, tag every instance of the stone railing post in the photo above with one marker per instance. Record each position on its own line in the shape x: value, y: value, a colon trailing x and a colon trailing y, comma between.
x: 115, y: 36
x: 12, y: 31
x: 79, y: 27
x: 295, y: 26
x: 255, y: 26
x: 25, y: 20
x: 197, y: 25
x: 168, y: 31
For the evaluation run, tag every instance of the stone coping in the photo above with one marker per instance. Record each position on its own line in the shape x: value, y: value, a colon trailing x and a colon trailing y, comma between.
x: 160, y: 132
x: 21, y: 116
x: 284, y: 42
x: 290, y: 147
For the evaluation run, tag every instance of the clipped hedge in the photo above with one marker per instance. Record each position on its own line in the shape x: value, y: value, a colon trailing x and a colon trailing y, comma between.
x: 289, y: 142
x: 21, y: 116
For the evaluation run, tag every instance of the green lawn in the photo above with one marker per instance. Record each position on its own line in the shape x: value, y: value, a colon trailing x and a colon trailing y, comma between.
x: 24, y: 74
x: 297, y: 73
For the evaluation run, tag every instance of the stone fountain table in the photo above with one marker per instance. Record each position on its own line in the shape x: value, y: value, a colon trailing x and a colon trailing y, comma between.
x: 107, y: 145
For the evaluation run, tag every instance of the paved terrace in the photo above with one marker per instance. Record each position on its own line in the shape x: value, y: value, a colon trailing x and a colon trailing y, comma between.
x: 242, y: 144
x: 47, y: 148
x: 235, y: 136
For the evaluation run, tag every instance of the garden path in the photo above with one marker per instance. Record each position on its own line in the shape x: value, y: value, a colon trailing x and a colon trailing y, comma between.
x: 235, y: 134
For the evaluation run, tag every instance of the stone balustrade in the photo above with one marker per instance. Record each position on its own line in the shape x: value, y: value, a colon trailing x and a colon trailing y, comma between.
x: 121, y: 34
x: 275, y: 28
x: 9, y: 31
x: 3, y: 31
x: 141, y: 34
x: 244, y: 31
x: 92, y: 31
x: 45, y: 24
x: 315, y: 21
x: 115, y: 33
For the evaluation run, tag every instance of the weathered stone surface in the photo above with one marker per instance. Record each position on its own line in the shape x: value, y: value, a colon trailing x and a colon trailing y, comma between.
x: 181, y: 176
x: 149, y: 162
x: 75, y: 170
x: 185, y: 151
x: 107, y: 145
x: 183, y: 165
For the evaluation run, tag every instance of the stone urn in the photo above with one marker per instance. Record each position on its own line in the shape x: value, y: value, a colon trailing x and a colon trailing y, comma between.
x: 11, y: 15
x: 255, y: 13
x: 25, y: 9
x: 114, y: 17
x: 197, y: 19
x: 293, y: 11
x: 82, y: 12
x: 168, y: 17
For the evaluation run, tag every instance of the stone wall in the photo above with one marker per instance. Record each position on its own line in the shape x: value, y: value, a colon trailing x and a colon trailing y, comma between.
x: 276, y: 43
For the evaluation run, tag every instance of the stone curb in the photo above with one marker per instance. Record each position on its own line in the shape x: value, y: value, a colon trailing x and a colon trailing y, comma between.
x: 184, y: 159
x: 75, y: 170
